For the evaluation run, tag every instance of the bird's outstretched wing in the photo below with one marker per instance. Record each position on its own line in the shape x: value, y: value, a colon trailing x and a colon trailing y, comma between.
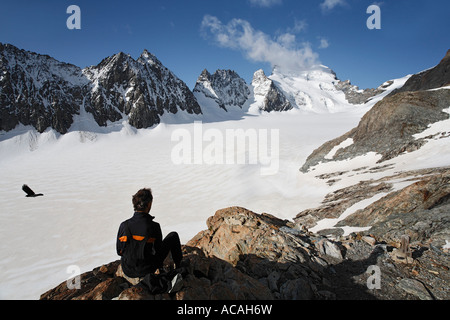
x: 28, y: 190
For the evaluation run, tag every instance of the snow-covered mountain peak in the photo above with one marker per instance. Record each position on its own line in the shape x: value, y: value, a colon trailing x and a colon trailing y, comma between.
x: 261, y: 84
x: 40, y: 68
x: 225, y: 87
x: 204, y: 76
x: 317, y: 72
x: 149, y: 58
x: 267, y: 96
x: 260, y: 80
x: 40, y: 91
x: 311, y: 90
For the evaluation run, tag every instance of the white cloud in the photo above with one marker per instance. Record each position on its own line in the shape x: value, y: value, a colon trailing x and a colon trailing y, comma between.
x: 330, y: 4
x: 284, y: 51
x: 323, y: 43
x: 265, y: 3
x: 299, y: 26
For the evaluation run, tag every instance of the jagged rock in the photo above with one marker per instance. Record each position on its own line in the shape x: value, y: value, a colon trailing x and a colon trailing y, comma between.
x: 326, y: 247
x: 105, y: 290
x: 335, y: 204
x: 416, y: 288
x: 356, y: 96
x: 418, y: 211
x: 88, y: 282
x: 428, y: 193
x: 370, y: 240
x: 137, y: 293
x: 247, y: 233
x: 331, y: 232
x: 206, y: 278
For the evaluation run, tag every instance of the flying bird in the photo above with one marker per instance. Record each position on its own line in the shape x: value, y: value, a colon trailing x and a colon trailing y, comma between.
x: 30, y: 193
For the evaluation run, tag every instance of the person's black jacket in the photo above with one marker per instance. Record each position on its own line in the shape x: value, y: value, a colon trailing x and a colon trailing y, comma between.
x: 137, y: 241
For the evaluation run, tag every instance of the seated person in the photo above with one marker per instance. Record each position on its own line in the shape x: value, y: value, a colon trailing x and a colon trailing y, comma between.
x: 140, y: 243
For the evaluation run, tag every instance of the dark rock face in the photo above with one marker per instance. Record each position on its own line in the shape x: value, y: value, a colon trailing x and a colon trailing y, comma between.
x: 356, y: 96
x: 436, y: 77
x: 39, y: 91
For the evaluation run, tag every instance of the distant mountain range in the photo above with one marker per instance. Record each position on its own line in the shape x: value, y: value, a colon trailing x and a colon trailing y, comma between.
x: 41, y: 92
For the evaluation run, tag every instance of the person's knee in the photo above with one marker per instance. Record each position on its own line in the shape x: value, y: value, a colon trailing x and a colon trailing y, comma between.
x: 174, y: 236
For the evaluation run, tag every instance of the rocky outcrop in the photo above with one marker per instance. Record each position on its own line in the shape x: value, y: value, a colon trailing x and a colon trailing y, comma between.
x: 354, y: 95
x: 40, y: 91
x: 204, y: 278
x: 417, y: 210
x: 428, y: 193
x: 244, y: 255
x: 436, y: 77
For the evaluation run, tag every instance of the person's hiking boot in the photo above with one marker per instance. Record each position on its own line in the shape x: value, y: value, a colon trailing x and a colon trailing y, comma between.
x: 176, y: 284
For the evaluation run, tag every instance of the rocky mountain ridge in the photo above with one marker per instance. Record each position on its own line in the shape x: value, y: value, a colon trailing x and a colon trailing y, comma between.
x: 38, y: 90
x: 42, y: 92
x: 141, y: 89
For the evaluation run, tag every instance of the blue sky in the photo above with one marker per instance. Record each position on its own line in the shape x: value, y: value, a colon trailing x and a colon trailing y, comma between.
x: 243, y: 35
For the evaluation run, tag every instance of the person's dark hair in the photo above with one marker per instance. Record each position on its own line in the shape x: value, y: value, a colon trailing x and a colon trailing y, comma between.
x: 142, y: 198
